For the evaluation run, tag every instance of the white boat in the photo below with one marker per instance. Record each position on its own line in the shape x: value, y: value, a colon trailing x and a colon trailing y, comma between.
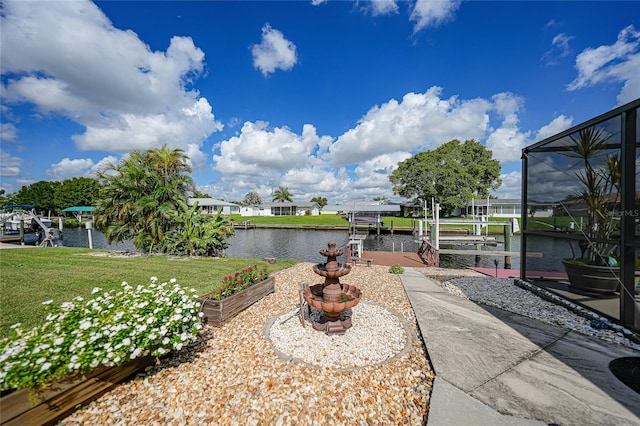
x: 22, y: 216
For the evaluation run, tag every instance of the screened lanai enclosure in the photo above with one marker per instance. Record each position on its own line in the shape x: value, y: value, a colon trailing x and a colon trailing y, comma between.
x: 581, y: 214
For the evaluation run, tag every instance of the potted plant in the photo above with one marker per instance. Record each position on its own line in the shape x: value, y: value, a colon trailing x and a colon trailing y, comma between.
x: 599, y: 177
x: 238, y: 292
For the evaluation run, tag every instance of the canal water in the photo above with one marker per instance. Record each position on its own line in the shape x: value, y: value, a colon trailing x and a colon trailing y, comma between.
x: 303, y: 245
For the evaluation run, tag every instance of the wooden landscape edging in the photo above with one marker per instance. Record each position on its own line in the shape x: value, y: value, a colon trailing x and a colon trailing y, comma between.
x: 218, y: 311
x: 64, y: 396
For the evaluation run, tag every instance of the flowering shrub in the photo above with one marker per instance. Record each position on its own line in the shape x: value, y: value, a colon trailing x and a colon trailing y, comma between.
x: 242, y: 279
x: 109, y: 330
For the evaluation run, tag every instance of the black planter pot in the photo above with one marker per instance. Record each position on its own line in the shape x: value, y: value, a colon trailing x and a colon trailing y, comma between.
x: 591, y: 278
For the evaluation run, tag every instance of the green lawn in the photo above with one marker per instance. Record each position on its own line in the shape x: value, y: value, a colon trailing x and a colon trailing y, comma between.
x: 337, y: 220
x: 322, y: 219
x: 318, y: 220
x: 28, y: 277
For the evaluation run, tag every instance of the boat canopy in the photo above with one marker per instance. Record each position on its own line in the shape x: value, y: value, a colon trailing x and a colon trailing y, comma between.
x: 79, y: 209
x: 20, y: 206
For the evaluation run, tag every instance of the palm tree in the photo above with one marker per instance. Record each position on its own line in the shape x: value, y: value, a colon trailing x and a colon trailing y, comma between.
x: 282, y: 194
x: 139, y: 193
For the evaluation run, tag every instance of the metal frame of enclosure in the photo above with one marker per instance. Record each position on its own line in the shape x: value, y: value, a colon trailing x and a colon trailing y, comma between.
x: 553, y: 221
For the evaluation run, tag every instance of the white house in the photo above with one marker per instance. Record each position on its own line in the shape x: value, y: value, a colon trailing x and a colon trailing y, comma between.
x: 281, y: 209
x: 211, y: 205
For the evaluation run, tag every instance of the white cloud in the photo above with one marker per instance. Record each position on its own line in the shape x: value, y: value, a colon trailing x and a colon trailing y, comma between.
x: 8, y: 133
x: 9, y: 165
x: 308, y: 182
x: 102, y: 165
x: 507, y: 141
x: 429, y: 13
x: 373, y: 175
x: 383, y: 7
x: 259, y: 149
x: 420, y: 121
x: 125, y: 95
x: 184, y: 129
x: 556, y: 126
x: 68, y: 168
x: 274, y: 52
x: 511, y: 185
x: 559, y: 49
x: 261, y: 158
x: 618, y: 62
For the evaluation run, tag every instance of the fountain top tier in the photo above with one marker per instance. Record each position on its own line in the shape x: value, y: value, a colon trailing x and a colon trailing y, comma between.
x: 332, y: 269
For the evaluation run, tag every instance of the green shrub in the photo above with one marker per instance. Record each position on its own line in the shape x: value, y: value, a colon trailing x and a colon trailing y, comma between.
x: 396, y: 269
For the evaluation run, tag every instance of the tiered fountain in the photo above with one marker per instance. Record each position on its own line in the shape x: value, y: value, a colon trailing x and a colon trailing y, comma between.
x: 332, y: 298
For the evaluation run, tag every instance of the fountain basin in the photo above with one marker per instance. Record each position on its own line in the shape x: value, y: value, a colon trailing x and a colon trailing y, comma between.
x: 349, y: 297
x: 342, y: 269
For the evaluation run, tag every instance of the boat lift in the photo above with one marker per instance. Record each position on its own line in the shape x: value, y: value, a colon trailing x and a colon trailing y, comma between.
x: 431, y: 244
x: 12, y: 225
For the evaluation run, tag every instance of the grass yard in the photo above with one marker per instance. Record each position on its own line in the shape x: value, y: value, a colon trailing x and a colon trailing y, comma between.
x: 28, y: 277
x: 322, y: 219
x: 319, y: 220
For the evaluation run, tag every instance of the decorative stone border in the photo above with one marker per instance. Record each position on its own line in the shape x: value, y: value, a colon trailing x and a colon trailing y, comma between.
x: 577, y: 309
x: 410, y: 339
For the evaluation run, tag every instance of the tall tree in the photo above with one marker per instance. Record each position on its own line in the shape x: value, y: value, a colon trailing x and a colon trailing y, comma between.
x: 3, y: 200
x: 139, y: 194
x: 252, y: 198
x: 282, y: 194
x: 77, y: 191
x: 198, y: 194
x: 39, y: 194
x: 320, y: 201
x: 452, y: 174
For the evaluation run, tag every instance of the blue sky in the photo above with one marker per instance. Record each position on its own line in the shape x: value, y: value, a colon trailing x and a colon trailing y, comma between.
x: 322, y: 97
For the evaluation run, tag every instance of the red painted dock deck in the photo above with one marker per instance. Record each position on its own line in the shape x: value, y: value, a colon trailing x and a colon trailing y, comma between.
x: 388, y: 258
x: 412, y: 259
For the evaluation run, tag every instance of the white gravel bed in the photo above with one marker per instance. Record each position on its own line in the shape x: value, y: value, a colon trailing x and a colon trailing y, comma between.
x: 376, y: 336
x: 504, y: 294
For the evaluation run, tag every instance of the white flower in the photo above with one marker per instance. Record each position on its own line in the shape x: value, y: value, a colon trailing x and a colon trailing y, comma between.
x: 96, y: 290
x: 58, y: 341
x: 172, y: 280
x: 45, y: 366
x: 85, y: 324
x: 154, y: 279
x: 16, y: 325
x: 47, y: 302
